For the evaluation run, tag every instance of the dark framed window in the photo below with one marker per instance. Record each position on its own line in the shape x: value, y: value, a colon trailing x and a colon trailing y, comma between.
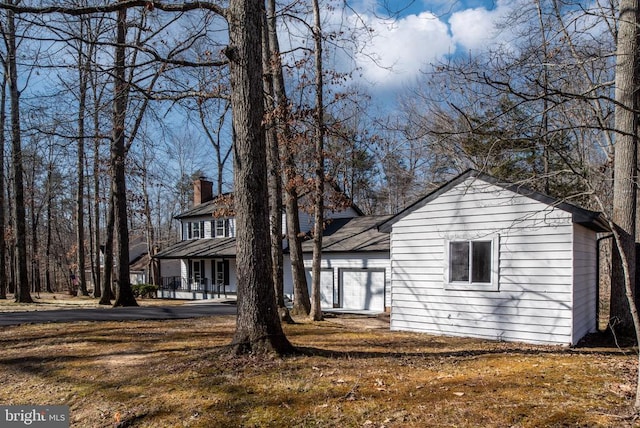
x: 195, y: 230
x: 221, y: 228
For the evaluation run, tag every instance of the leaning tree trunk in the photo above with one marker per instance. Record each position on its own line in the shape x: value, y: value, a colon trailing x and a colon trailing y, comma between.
x: 258, y: 327
x: 22, y: 289
x: 301, y: 303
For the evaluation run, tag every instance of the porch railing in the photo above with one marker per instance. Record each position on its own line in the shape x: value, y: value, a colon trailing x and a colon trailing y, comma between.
x: 199, y: 285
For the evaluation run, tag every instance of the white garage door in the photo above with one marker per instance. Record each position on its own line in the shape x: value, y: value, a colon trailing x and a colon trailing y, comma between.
x: 326, y: 287
x: 362, y: 289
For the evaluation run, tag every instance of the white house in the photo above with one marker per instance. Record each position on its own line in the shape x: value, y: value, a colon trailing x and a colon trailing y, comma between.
x: 487, y: 259
x: 355, y: 265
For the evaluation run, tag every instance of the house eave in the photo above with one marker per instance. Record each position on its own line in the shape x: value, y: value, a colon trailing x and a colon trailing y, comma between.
x: 590, y: 219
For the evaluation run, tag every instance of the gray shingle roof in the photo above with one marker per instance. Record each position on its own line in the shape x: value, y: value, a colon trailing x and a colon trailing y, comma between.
x: 357, y: 234
x: 207, y: 248
x: 204, y: 209
x: 353, y: 235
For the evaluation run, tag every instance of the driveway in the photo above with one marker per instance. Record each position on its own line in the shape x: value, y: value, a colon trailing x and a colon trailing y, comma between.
x: 117, y: 314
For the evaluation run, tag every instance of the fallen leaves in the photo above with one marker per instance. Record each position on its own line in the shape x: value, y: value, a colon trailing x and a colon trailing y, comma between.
x: 174, y: 372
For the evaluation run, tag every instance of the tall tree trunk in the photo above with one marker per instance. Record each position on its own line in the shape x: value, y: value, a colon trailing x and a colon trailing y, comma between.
x: 3, y: 244
x: 318, y: 227
x: 82, y: 75
x: 623, y: 284
x: 35, y: 250
x: 274, y: 179
x: 106, y: 294
x: 301, y: 303
x: 124, y: 293
x: 98, y: 286
x: 11, y: 247
x: 49, y: 216
x: 258, y: 327
x: 544, y: 123
x: 152, y: 267
x: 625, y: 167
x: 22, y: 293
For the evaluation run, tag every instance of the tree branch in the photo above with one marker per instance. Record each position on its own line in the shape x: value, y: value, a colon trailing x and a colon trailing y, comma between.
x: 113, y: 7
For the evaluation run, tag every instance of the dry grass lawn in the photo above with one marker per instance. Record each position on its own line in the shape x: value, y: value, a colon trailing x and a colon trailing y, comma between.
x: 352, y: 374
x: 50, y: 301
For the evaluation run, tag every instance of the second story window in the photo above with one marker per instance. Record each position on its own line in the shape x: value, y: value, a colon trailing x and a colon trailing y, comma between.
x: 196, y: 230
x: 222, y: 228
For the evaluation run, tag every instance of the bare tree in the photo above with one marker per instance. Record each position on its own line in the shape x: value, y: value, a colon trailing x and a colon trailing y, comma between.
x: 22, y: 292
x: 318, y: 196
x: 623, y: 291
x: 258, y: 327
x: 3, y: 244
x: 83, y: 82
x: 283, y: 118
x: 274, y: 177
x: 124, y: 293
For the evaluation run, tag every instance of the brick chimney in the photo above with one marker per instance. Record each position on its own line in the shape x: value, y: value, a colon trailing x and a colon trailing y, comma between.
x: 202, y: 191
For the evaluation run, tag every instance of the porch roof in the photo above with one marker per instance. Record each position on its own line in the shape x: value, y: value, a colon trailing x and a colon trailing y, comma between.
x: 208, y: 248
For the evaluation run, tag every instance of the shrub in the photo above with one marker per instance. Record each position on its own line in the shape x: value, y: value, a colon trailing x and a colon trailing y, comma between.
x: 144, y: 290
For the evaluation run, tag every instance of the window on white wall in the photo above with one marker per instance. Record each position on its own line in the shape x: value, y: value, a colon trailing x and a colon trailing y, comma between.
x: 471, y: 263
x: 222, y: 228
x: 196, y: 230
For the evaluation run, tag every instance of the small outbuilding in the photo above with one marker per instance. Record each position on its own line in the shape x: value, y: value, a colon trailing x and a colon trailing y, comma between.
x: 482, y: 258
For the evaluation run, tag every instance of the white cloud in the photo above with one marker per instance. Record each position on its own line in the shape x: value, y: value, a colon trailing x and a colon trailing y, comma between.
x: 473, y: 28
x: 398, y: 50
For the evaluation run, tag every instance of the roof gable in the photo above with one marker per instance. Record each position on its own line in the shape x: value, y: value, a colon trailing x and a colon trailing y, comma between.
x: 590, y: 219
x: 219, y: 206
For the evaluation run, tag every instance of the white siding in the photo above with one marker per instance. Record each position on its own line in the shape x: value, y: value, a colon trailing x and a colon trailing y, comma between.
x: 533, y: 302
x: 233, y: 277
x: 184, y: 269
x: 327, y: 288
x: 585, y: 282
x: 345, y: 261
x: 232, y: 227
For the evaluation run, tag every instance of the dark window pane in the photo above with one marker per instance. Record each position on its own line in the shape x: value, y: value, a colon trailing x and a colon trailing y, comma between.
x: 481, y: 261
x: 459, y: 261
